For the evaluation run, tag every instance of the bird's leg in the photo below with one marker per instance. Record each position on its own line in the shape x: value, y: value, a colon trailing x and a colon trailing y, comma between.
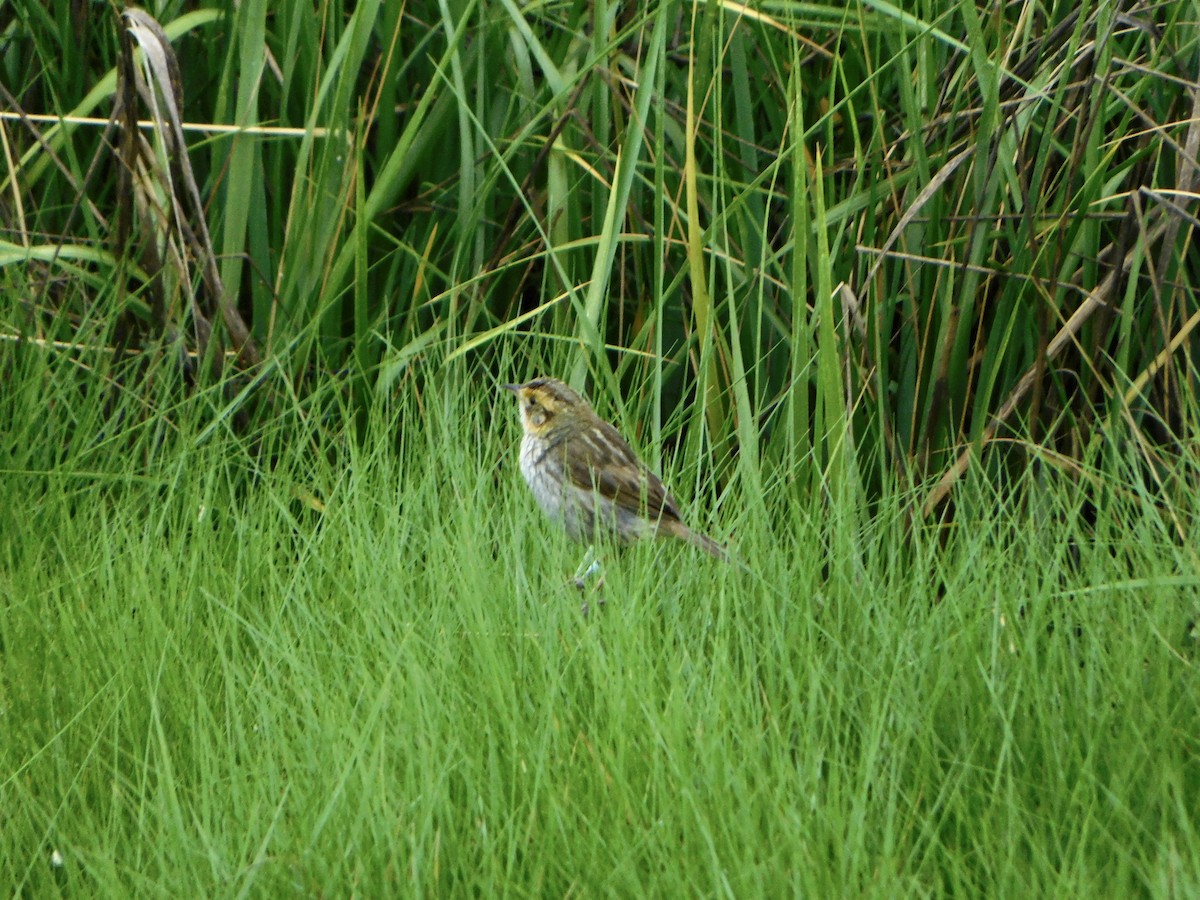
x: 589, y: 566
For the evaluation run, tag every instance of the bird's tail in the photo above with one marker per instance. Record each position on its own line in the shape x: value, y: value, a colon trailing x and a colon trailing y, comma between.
x: 707, y: 544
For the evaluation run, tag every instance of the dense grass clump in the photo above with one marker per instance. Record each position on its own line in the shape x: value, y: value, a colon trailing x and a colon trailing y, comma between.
x: 361, y: 669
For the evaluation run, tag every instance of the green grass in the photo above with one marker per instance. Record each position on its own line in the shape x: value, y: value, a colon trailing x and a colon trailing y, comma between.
x: 210, y: 688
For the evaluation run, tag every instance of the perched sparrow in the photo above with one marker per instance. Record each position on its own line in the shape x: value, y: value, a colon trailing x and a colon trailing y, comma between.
x: 585, y: 476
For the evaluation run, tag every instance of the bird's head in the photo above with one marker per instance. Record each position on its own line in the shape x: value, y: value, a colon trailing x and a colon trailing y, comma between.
x: 547, y: 403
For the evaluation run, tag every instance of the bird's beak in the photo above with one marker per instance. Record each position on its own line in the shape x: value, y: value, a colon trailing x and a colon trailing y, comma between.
x: 515, y: 388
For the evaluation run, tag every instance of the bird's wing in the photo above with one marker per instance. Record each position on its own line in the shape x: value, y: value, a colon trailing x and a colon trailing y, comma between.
x: 598, y: 459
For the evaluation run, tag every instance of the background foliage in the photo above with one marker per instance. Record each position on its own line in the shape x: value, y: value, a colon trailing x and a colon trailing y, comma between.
x: 859, y: 232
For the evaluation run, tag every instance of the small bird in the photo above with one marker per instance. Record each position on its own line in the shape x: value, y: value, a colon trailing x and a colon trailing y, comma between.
x: 584, y: 475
